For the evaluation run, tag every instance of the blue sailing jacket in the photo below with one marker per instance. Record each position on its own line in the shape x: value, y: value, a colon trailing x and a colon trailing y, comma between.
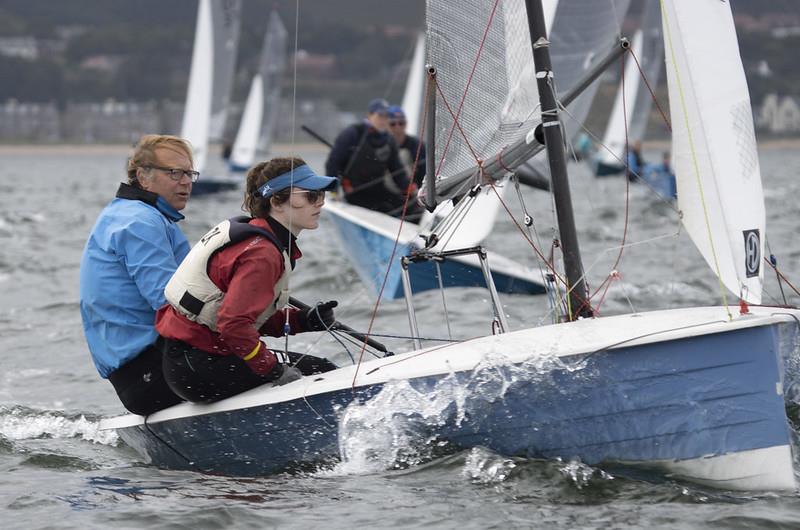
x: 132, y: 252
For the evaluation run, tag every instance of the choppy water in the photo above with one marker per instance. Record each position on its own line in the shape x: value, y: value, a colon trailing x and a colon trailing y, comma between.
x: 59, y: 470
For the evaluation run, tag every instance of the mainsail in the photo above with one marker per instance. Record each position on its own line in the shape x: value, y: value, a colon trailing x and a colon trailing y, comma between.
x: 197, y: 113
x: 503, y: 78
x: 648, y: 54
x: 582, y: 31
x: 714, y: 147
x: 261, y: 109
x: 225, y: 17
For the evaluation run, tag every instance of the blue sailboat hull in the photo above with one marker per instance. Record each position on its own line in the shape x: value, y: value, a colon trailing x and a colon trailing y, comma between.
x: 660, y: 181
x: 370, y: 252
x: 602, y: 169
x: 685, y: 400
x: 207, y: 186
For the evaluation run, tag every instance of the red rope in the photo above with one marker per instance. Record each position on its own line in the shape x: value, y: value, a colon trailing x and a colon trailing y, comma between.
x: 500, y: 160
x: 782, y: 277
x: 607, y: 282
x: 409, y: 188
x: 650, y: 89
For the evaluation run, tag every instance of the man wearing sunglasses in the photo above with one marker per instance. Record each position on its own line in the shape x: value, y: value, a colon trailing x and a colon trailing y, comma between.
x: 411, y: 148
x: 366, y: 159
x: 132, y: 251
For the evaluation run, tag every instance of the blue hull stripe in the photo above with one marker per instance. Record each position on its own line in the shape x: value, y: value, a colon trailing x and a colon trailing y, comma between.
x: 370, y: 253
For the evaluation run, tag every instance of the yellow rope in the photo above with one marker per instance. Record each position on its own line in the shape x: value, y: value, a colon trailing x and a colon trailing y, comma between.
x: 694, y: 157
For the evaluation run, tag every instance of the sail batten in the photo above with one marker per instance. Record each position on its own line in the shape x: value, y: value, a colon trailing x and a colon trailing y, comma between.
x: 714, y: 148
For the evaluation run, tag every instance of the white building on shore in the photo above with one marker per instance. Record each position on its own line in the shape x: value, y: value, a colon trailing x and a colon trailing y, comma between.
x: 779, y: 115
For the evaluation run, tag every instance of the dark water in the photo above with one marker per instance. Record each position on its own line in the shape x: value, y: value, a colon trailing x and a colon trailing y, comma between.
x: 59, y: 470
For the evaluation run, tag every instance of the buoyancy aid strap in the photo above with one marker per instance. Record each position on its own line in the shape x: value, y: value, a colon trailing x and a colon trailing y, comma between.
x: 191, y: 303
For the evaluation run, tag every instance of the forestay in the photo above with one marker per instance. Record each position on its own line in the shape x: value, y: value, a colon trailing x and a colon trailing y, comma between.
x: 617, y: 130
x: 714, y: 147
x: 650, y: 61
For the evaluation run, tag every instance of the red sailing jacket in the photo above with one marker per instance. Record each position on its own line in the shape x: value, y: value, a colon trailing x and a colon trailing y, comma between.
x: 246, y: 272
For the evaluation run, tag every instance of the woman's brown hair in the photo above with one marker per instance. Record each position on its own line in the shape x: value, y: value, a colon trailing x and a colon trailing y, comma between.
x: 260, y: 173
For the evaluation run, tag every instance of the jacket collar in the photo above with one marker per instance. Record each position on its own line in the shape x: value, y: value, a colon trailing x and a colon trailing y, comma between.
x: 286, y: 238
x: 126, y: 191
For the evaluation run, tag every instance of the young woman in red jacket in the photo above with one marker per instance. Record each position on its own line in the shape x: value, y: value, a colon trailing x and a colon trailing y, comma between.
x: 232, y: 288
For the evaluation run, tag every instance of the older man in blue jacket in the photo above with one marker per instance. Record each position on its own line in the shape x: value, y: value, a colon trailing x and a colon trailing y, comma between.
x: 132, y: 252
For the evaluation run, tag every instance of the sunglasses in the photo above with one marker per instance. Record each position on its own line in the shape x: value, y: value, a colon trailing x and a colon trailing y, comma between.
x: 175, y: 173
x: 396, y: 123
x: 314, y: 196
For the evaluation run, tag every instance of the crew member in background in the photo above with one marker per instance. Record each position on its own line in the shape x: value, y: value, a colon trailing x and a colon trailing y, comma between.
x: 407, y: 144
x: 233, y: 288
x: 132, y: 252
x: 366, y: 159
x: 635, y: 163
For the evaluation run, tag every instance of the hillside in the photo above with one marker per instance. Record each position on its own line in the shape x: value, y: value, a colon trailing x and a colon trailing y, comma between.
x: 139, y: 50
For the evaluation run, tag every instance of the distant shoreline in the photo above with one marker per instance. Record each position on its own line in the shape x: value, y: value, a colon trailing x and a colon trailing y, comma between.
x: 124, y: 149
x: 304, y: 147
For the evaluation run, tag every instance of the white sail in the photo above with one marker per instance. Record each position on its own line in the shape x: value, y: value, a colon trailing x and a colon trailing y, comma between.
x: 261, y: 109
x: 197, y: 113
x: 225, y: 22
x: 714, y: 148
x: 246, y: 143
x: 415, y: 86
x: 617, y: 130
x: 647, y: 49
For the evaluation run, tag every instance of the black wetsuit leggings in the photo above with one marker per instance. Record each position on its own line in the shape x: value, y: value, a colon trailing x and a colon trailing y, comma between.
x: 199, y: 376
x: 140, y: 383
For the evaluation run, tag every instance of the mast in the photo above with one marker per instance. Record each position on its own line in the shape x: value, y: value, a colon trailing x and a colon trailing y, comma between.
x: 553, y: 140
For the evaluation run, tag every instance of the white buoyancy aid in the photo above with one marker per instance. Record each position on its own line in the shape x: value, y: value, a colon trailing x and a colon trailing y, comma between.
x: 192, y: 293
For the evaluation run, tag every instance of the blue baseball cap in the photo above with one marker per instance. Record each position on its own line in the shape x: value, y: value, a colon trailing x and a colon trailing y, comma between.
x: 396, y: 111
x: 300, y: 177
x: 380, y: 106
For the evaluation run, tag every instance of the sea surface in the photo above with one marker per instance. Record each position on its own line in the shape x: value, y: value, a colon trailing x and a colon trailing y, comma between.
x: 59, y: 470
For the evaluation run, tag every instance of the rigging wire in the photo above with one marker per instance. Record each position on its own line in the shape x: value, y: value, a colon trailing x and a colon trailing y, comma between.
x: 286, y: 326
x: 394, y: 249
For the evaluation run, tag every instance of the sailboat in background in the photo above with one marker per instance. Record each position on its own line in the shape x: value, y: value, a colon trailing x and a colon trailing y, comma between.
x: 582, y: 31
x: 216, y: 40
x: 642, y: 67
x: 696, y: 393
x: 369, y: 236
x: 263, y: 101
x: 414, y: 91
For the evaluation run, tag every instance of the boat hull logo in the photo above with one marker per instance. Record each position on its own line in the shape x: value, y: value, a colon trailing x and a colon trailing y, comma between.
x: 752, y: 252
